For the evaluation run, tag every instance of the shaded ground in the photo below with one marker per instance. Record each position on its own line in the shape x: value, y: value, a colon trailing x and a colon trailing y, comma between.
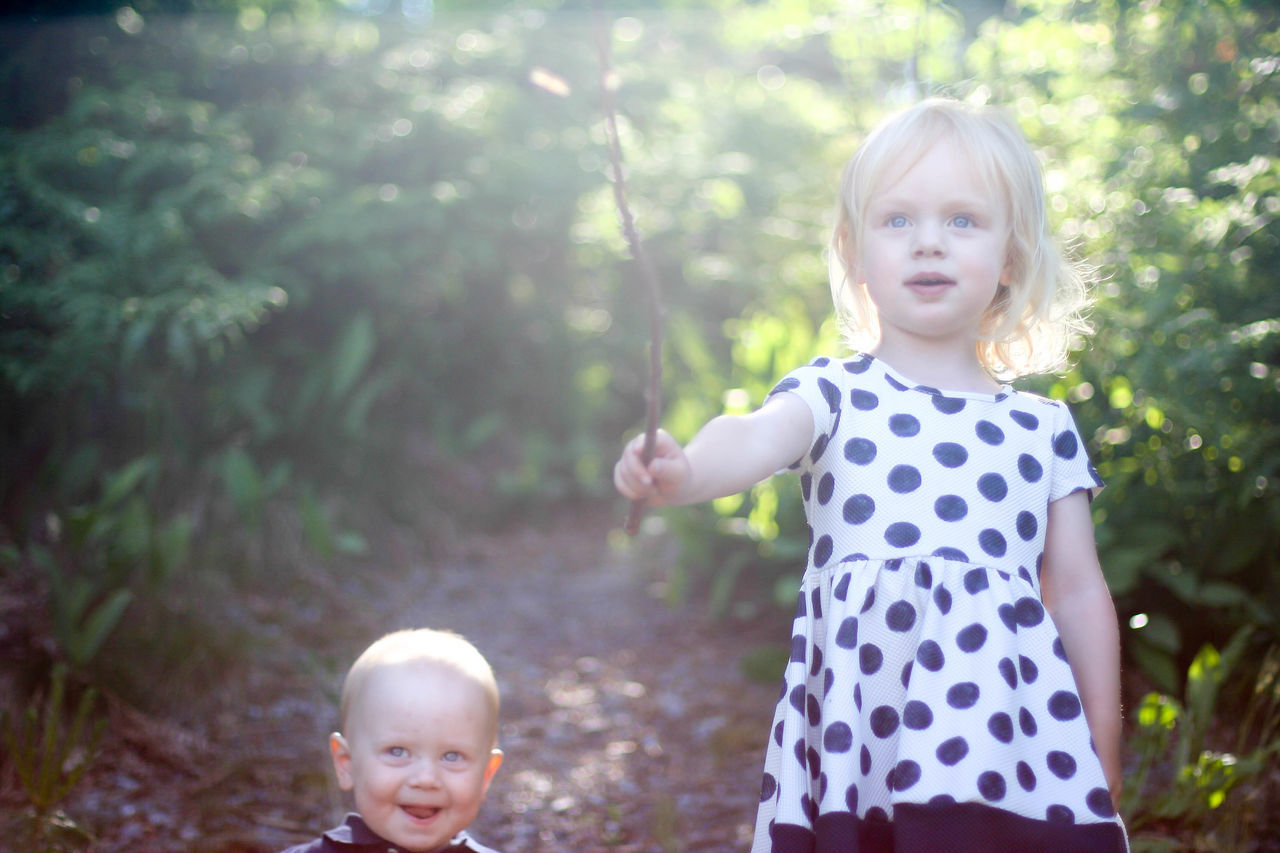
x: 627, y: 725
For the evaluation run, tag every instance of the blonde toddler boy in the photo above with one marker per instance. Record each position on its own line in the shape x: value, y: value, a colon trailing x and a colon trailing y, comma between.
x: 418, y: 746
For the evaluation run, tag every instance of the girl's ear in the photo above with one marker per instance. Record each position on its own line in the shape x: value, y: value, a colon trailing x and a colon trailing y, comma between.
x: 341, y: 754
x: 847, y: 251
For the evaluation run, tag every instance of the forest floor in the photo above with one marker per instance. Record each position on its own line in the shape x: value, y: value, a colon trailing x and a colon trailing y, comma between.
x: 628, y: 724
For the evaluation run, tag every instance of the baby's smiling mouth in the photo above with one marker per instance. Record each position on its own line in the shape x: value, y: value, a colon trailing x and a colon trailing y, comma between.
x: 421, y: 812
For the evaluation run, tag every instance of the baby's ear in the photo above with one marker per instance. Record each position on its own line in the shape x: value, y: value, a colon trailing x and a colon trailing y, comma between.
x: 495, y: 761
x: 341, y: 754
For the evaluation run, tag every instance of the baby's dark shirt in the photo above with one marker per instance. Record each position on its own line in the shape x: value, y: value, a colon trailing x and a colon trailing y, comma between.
x: 354, y: 836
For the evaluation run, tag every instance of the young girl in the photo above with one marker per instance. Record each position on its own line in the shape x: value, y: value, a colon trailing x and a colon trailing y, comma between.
x: 954, y: 676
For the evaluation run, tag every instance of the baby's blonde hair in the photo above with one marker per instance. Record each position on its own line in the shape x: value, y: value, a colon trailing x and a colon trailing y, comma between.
x: 427, y: 646
x: 1040, y: 306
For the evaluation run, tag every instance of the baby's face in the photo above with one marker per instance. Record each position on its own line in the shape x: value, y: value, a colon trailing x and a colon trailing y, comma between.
x: 418, y: 753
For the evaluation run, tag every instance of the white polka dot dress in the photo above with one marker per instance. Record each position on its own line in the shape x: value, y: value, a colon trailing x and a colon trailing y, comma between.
x: 928, y: 704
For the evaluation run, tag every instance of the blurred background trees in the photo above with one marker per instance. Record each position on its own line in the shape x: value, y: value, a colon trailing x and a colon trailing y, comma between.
x: 290, y: 272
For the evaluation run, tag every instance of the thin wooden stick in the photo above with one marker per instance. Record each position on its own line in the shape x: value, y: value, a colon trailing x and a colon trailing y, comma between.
x: 653, y: 399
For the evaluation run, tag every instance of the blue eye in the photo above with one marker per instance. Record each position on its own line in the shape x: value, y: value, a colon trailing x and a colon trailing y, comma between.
x: 962, y: 221
x: 897, y: 221
x: 397, y: 751
x: 453, y: 756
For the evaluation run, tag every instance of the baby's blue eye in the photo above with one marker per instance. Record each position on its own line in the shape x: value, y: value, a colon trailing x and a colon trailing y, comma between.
x: 453, y: 756
x: 397, y: 751
x: 962, y: 221
x: 897, y: 221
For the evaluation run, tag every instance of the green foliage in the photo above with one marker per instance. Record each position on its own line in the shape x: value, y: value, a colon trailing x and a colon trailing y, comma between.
x: 1180, y: 778
x: 50, y: 754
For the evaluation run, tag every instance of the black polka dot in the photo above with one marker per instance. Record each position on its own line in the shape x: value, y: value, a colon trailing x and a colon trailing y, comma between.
x: 798, y: 645
x: 963, y: 695
x: 860, y: 451
x: 1064, y: 705
x: 815, y: 762
x: 822, y: 550
x: 971, y: 638
x: 838, y: 738
x: 952, y: 751
x: 797, y: 697
x: 902, y: 534
x: 950, y: 508
x: 1027, y: 667
x: 975, y: 581
x: 894, y: 383
x: 768, y: 788
x: 1058, y: 651
x: 830, y: 393
x: 1028, y: 611
x: 1030, y: 468
x: 1008, y: 672
x: 904, y: 479
x: 869, y: 659
x: 1026, y: 777
x: 864, y: 759
x: 870, y: 601
x: 858, y: 365
x: 949, y: 405
x: 906, y: 774
x: 847, y: 635
x: 942, y: 600
x: 989, y: 433
x: 813, y: 709
x: 802, y: 757
x: 1008, y: 616
x: 993, y: 487
x: 929, y: 655
x: 816, y: 609
x: 924, y: 576
x: 900, y: 616
x: 788, y: 384
x: 859, y: 508
x: 917, y: 715
x: 906, y: 673
x: 1027, y: 526
x: 806, y: 485
x: 993, y: 542
x: 1059, y: 814
x: 819, y: 447
x: 951, y: 554
x: 1001, y: 727
x: 884, y: 721
x: 950, y: 455
x: 841, y: 592
x: 851, y: 799
x: 1026, y: 420
x: 991, y: 786
x: 1061, y: 764
x: 1099, y: 802
x: 777, y: 733
x: 862, y: 400
x: 1065, y: 445
x: 1027, y: 722
x: 904, y: 426
x: 826, y: 486
x: 816, y: 656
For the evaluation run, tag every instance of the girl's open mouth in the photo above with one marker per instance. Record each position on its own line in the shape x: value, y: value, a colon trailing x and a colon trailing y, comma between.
x: 421, y: 812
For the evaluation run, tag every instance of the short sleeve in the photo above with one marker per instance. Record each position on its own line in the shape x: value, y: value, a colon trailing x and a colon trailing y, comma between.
x: 1072, y: 470
x: 817, y: 384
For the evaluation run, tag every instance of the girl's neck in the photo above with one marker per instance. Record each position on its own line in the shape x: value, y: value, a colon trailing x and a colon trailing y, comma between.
x: 944, y: 368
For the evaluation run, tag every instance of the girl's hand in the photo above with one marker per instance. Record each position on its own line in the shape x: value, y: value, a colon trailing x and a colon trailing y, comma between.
x: 662, y: 480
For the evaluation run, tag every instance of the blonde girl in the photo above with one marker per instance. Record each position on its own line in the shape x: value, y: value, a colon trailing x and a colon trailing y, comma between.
x: 954, y: 675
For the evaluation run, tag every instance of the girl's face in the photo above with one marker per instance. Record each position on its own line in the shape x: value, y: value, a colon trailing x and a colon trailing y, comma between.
x: 933, y: 252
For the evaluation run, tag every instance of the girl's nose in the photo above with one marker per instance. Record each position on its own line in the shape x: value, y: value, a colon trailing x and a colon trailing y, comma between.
x: 927, y: 241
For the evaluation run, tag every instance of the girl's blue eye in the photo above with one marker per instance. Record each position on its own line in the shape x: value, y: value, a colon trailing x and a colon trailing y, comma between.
x: 453, y: 756
x: 897, y: 221
x: 962, y: 221
x: 397, y: 751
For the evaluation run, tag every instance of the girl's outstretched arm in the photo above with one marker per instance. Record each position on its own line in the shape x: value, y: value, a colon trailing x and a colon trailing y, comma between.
x: 1075, y: 594
x: 728, y: 455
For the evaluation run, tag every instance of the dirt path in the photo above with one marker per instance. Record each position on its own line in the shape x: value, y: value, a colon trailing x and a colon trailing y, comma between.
x: 627, y: 725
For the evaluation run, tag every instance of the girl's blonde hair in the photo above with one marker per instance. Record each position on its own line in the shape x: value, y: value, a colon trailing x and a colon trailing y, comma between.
x: 1040, y: 306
